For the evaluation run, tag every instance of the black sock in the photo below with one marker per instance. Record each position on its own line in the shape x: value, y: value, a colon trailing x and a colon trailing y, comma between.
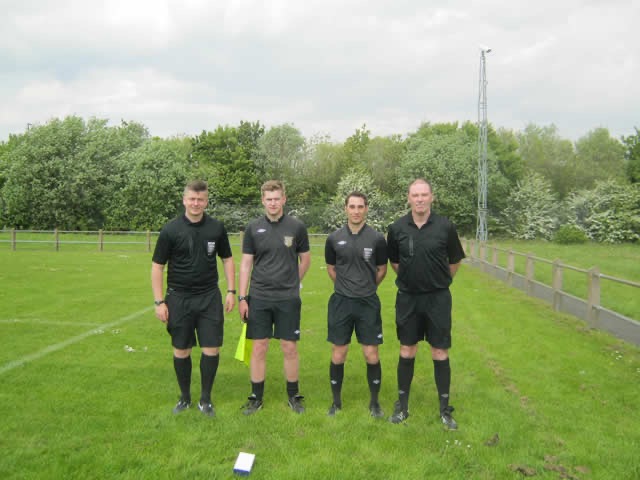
x: 182, y: 366
x: 292, y: 388
x: 257, y: 389
x: 405, y: 377
x: 208, y: 369
x: 442, y: 375
x: 336, y: 376
x: 374, y: 378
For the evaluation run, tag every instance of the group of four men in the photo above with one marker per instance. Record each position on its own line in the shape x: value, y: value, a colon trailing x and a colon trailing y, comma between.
x: 423, y: 248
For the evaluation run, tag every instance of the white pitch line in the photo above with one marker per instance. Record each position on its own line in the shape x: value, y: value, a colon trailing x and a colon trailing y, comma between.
x: 59, y: 346
x: 48, y: 322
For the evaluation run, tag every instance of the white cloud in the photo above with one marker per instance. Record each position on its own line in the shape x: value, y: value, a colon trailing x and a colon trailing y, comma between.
x: 325, y: 65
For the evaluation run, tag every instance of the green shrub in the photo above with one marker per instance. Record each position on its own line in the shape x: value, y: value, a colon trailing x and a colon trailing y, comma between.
x: 570, y: 234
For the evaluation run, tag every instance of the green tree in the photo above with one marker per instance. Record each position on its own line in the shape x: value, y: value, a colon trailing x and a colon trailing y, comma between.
x: 381, y: 158
x: 381, y: 212
x: 598, y: 157
x: 610, y: 212
x: 326, y: 164
x: 632, y: 156
x: 356, y: 145
x: 280, y: 154
x: 156, y: 175
x: 224, y: 158
x: 447, y: 156
x: 63, y: 174
x: 546, y: 153
x: 532, y: 209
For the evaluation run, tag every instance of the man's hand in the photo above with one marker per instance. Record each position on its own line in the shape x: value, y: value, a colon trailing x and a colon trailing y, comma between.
x: 162, y: 312
x: 243, y: 308
x: 229, y: 302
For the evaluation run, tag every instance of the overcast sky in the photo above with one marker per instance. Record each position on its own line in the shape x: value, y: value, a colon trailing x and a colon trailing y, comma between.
x: 325, y: 66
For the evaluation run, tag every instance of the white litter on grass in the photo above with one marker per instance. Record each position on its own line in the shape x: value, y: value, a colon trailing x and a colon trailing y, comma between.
x: 127, y: 348
x: 116, y: 331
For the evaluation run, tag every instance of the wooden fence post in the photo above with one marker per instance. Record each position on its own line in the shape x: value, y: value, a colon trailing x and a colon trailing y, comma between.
x: 13, y: 239
x: 593, y: 299
x: 556, y: 284
x: 494, y: 257
x: 511, y: 267
x: 530, y: 272
x: 100, y: 240
x: 148, y: 240
x: 56, y: 239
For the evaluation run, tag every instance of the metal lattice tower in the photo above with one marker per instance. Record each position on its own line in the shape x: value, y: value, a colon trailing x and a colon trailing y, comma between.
x: 481, y: 230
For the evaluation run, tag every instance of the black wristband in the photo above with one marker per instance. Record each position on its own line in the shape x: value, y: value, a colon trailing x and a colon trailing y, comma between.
x: 231, y: 291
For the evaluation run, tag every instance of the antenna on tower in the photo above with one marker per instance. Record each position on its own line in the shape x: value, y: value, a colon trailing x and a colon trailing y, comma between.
x: 481, y: 230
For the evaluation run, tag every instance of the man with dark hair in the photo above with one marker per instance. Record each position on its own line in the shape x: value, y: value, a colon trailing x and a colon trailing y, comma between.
x: 425, y: 252
x: 193, y: 302
x: 276, y: 256
x: 356, y: 257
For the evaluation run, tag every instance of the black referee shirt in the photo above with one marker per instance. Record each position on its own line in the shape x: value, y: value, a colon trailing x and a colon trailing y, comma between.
x: 423, y: 254
x: 275, y: 247
x: 190, y: 249
x: 356, y: 258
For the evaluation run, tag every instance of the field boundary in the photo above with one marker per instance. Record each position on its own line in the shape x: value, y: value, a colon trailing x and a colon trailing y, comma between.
x: 588, y: 309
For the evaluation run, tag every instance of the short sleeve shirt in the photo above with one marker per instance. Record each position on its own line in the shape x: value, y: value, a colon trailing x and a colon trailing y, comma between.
x: 191, y: 250
x: 356, y: 257
x: 275, y: 247
x: 423, y: 254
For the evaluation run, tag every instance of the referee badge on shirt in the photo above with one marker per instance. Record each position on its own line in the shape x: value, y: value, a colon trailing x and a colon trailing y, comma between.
x: 211, y: 247
x: 366, y: 253
x: 288, y: 241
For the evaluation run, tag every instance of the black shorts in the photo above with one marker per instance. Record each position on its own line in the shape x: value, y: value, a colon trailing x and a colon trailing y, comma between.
x: 424, y: 316
x: 346, y: 314
x: 190, y: 314
x: 274, y: 319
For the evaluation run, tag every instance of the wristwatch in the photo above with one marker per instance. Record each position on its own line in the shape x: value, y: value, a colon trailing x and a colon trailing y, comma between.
x: 241, y: 298
x: 158, y: 302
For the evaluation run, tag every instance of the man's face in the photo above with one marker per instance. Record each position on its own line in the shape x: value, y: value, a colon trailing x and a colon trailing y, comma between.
x: 420, y: 198
x: 195, y: 203
x: 274, y: 203
x: 356, y: 210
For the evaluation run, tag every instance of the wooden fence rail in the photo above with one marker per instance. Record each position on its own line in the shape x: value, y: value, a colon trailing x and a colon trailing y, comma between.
x: 590, y: 309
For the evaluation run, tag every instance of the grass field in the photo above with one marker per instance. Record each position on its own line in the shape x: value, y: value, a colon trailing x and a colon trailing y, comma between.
x: 88, y: 387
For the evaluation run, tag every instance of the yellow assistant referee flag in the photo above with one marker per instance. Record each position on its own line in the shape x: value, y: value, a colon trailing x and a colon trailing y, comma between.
x: 245, y: 346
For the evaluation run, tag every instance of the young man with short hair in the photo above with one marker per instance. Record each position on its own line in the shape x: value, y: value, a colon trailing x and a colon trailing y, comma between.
x: 192, y: 303
x: 275, y: 256
x: 356, y: 257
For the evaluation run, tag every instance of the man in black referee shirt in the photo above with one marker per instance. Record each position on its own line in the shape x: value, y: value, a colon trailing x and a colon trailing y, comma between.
x: 275, y: 254
x: 356, y: 257
x: 425, y: 252
x: 193, y: 303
